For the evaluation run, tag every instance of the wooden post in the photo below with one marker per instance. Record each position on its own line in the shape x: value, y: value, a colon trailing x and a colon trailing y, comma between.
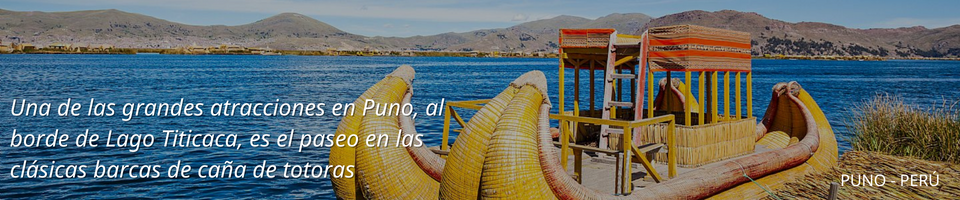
x: 578, y: 164
x: 713, y: 96
x: 564, y: 144
x: 672, y: 149
x: 576, y: 112
x: 616, y: 175
x: 560, y: 95
x: 615, y: 97
x: 650, y: 94
x: 726, y: 95
x: 627, y: 160
x: 688, y: 105
x: 749, y: 94
x: 833, y: 190
x: 446, y: 128
x: 702, y: 78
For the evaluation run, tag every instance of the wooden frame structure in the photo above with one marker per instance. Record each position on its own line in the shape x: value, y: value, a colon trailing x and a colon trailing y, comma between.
x: 686, y: 49
x: 624, y: 173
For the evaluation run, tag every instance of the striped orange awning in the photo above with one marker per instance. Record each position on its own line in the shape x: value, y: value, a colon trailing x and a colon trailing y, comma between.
x: 697, y: 48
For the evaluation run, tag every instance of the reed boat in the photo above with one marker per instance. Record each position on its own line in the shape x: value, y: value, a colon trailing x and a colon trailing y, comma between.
x: 641, y: 142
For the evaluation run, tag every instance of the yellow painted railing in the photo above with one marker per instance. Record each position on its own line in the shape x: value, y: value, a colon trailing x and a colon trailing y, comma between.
x: 631, y: 152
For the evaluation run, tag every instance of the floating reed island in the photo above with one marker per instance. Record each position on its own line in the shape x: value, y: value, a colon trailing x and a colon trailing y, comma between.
x: 887, y: 125
x: 815, y: 186
x: 893, y: 138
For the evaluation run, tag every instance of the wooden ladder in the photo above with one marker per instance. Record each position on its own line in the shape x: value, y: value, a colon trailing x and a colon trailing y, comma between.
x: 609, y: 105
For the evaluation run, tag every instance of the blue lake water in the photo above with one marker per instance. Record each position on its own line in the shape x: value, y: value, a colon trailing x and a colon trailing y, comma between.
x: 836, y: 85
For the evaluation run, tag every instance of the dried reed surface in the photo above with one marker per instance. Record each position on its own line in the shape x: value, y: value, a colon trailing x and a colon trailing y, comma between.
x: 886, y: 124
x: 816, y: 186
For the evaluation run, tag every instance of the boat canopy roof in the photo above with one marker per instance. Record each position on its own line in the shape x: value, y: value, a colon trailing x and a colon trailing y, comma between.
x: 698, y: 48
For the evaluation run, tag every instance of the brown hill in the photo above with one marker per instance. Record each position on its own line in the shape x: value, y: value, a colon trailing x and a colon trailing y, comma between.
x: 813, y: 38
x: 295, y: 31
x: 539, y: 35
x: 123, y: 29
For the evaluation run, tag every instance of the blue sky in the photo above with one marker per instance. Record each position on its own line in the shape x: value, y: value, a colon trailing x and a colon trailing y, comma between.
x: 428, y: 17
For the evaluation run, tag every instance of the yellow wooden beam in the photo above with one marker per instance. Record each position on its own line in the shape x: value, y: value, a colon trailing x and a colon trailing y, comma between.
x: 576, y: 108
x: 446, y: 128
x: 651, y: 120
x: 590, y: 120
x: 472, y: 106
x: 613, y: 109
x: 624, y: 60
x: 702, y: 88
x: 688, y: 106
x: 726, y: 95
x: 578, y: 164
x: 564, y: 144
x: 749, y: 94
x: 713, y: 95
x: 672, y: 149
x: 457, y: 117
x: 627, y: 185
x: 649, y: 94
x: 621, y: 123
x: 561, y: 83
x: 640, y: 156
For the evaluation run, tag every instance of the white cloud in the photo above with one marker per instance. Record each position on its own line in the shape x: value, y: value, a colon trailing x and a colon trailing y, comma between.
x: 520, y: 18
x: 388, y: 25
x: 926, y: 22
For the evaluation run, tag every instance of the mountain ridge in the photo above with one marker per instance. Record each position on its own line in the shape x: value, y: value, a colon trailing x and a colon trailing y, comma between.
x: 300, y: 32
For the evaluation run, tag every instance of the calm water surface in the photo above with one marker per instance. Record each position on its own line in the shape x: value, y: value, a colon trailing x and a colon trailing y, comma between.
x: 836, y: 85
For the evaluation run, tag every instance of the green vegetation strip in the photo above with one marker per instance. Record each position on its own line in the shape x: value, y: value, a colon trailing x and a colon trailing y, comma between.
x: 886, y: 124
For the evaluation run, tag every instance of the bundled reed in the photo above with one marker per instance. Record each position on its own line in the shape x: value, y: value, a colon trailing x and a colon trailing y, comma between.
x: 777, y: 140
x: 585, y: 38
x: 700, y: 145
x: 815, y: 185
x: 886, y: 124
x: 350, y: 125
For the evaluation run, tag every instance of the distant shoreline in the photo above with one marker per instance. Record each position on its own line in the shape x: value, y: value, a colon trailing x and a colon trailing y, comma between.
x: 435, y: 54
x: 131, y: 51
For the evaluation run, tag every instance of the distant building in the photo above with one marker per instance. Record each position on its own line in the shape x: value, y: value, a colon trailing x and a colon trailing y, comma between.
x: 59, y: 46
x: 256, y: 50
x: 24, y: 47
x: 81, y: 47
x: 102, y: 47
x: 196, y: 49
x: 228, y: 48
x: 5, y: 48
x: 332, y: 51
